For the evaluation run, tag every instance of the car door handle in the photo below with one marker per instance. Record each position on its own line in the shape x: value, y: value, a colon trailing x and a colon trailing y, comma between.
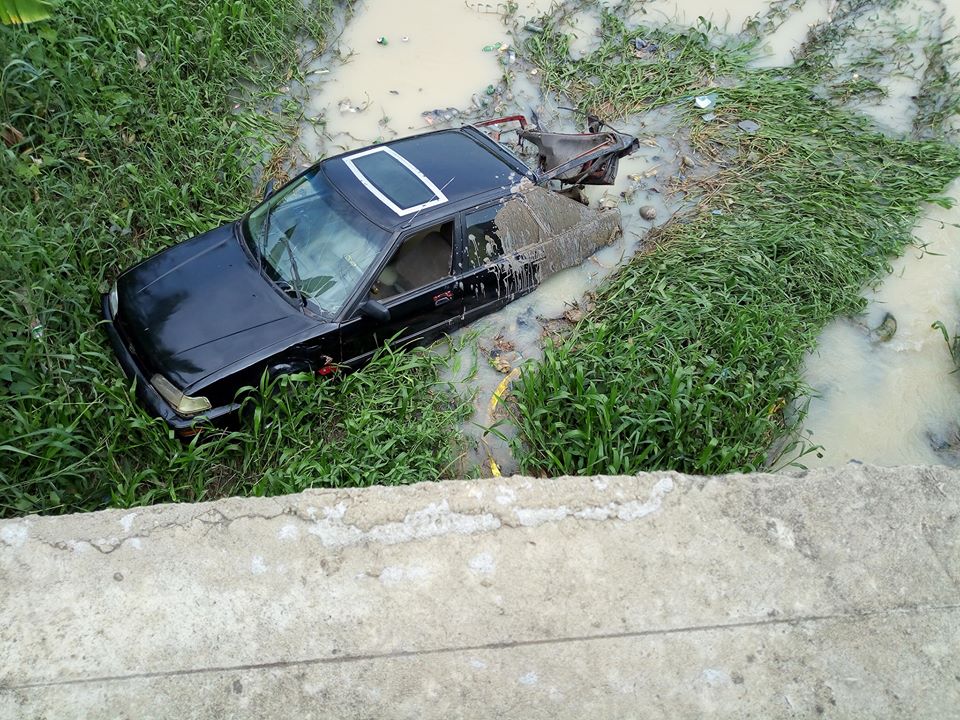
x: 443, y: 298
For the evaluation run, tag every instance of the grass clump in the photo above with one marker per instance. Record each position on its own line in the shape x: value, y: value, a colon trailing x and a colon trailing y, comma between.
x: 125, y: 127
x: 695, y: 347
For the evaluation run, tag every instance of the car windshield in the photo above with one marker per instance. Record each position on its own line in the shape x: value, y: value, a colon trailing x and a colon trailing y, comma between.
x: 317, y: 244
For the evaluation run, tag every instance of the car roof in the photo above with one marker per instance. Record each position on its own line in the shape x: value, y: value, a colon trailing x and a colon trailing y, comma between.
x: 424, y: 177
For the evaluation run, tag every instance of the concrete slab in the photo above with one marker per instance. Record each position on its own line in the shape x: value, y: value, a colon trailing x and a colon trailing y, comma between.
x: 833, y: 593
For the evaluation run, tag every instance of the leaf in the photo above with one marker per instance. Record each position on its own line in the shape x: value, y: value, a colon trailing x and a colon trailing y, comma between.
x: 11, y: 136
x: 21, y: 12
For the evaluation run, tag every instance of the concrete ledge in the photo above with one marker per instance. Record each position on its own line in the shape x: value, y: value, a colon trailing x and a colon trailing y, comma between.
x: 835, y: 592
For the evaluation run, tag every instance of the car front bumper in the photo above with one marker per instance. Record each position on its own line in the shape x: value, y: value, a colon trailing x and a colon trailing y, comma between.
x: 159, y: 407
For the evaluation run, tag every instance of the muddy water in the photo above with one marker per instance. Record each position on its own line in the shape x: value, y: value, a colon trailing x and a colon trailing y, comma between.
x: 891, y: 402
x: 784, y: 31
x: 394, y: 61
x: 894, y: 401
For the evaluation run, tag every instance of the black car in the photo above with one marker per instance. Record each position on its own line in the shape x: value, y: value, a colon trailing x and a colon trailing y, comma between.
x: 407, y: 240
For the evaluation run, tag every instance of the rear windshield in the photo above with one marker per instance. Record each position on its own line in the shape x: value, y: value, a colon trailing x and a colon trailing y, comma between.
x: 394, y: 180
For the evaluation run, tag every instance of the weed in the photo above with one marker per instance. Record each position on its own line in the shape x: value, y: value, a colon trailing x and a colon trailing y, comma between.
x: 694, y: 348
x: 127, y: 127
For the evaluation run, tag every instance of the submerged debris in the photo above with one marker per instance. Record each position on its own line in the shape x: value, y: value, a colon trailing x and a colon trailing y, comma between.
x: 345, y: 106
x: 885, y: 330
x: 559, y: 232
x: 439, y: 115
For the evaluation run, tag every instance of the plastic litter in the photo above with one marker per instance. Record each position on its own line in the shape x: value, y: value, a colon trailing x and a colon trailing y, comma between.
x: 492, y: 48
x: 36, y: 329
x: 404, y: 38
x: 439, y: 115
x: 749, y: 126
x: 491, y: 90
x: 382, y: 41
x: 533, y: 27
x: 705, y: 101
x: 708, y: 117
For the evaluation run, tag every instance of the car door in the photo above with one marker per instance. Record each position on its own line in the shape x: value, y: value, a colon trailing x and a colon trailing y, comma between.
x: 497, y: 259
x: 417, y: 286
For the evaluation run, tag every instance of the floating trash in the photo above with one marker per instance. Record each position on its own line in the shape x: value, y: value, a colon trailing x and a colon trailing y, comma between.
x: 491, y: 90
x: 648, y: 212
x: 404, y: 38
x: 494, y: 47
x: 439, y: 115
x: 382, y: 40
x: 885, y: 331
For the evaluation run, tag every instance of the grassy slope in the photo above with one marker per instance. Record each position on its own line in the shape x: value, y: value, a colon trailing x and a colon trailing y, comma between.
x: 109, y: 156
x: 695, y: 347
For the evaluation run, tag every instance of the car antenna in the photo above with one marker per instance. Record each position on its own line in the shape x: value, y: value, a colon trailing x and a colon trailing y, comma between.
x: 410, y: 221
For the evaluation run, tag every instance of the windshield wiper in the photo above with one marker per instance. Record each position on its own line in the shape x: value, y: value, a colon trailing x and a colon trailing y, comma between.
x: 293, y: 266
x: 264, y: 236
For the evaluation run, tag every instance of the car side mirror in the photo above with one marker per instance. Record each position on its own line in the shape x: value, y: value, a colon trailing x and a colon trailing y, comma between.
x: 375, y: 310
x: 269, y: 189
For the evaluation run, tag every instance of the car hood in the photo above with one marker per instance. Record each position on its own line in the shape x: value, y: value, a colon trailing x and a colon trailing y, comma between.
x: 201, y: 306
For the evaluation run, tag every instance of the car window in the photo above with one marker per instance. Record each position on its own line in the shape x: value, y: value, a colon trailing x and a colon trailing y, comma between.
x: 422, y: 259
x: 497, y: 230
x: 482, y: 241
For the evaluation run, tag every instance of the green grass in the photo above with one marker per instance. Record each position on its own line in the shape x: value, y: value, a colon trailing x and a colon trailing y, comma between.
x: 695, y: 348
x: 121, y: 137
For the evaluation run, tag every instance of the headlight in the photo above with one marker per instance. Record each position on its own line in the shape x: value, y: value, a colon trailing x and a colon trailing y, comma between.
x: 183, y: 404
x: 114, y: 300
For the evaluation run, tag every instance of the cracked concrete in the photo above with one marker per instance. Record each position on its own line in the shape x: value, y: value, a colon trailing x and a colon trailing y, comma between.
x: 830, y: 593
